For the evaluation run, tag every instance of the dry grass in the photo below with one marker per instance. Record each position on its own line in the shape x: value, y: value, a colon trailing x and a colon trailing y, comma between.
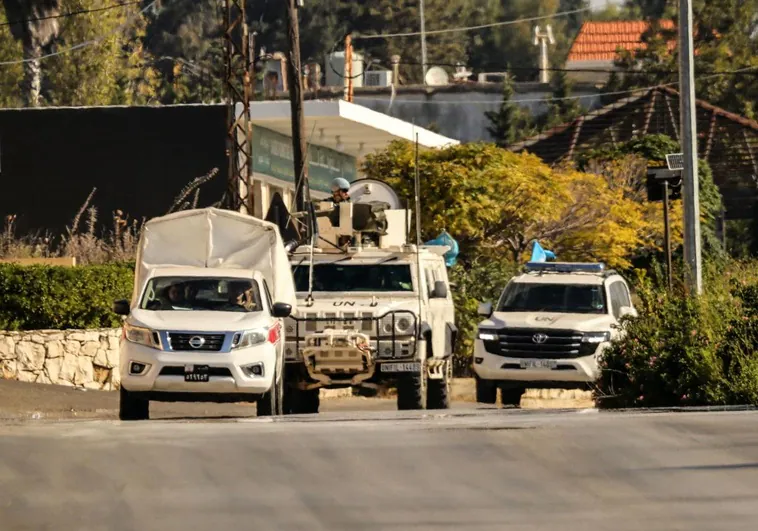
x: 83, y: 241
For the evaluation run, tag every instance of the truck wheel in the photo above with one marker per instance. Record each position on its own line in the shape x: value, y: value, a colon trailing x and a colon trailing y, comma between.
x: 511, y: 396
x: 411, y: 391
x: 438, y: 391
x: 299, y: 402
x: 486, y: 391
x: 272, y: 402
x: 132, y: 407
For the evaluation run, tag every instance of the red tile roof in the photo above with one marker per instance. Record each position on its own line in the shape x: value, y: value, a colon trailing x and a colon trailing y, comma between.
x: 601, y: 41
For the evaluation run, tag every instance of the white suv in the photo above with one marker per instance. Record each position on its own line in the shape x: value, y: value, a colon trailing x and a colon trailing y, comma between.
x: 548, y: 329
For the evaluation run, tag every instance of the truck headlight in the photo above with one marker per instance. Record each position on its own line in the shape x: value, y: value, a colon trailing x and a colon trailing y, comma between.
x: 250, y: 338
x: 141, y: 336
x: 596, y: 338
x: 403, y: 325
x: 487, y: 335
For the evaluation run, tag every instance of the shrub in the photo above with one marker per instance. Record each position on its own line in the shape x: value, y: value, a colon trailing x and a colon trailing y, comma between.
x: 686, y: 351
x: 44, y: 297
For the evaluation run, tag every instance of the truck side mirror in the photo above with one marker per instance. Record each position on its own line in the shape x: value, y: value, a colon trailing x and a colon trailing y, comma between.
x: 440, y: 290
x: 485, y: 309
x: 281, y: 310
x: 626, y: 311
x: 121, y: 307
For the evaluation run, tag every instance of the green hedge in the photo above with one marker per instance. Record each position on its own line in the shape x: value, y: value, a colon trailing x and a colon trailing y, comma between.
x: 682, y: 351
x: 57, y: 298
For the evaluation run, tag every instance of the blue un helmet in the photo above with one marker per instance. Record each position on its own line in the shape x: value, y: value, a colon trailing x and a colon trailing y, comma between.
x: 340, y: 184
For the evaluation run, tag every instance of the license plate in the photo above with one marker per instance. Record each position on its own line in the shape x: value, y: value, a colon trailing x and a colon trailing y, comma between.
x: 538, y: 364
x: 196, y: 373
x: 400, y: 367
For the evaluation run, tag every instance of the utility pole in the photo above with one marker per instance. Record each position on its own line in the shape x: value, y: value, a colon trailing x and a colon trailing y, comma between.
x: 690, y: 188
x: 294, y: 74
x: 542, y: 39
x: 423, y: 41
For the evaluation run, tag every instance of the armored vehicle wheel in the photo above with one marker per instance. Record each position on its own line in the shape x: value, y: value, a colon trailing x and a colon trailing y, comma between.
x: 132, y: 407
x: 411, y: 391
x: 272, y: 403
x: 511, y: 396
x: 299, y: 402
x: 438, y: 391
x: 486, y: 391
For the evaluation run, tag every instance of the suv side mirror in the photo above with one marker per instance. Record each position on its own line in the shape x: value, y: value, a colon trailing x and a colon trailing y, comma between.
x: 485, y: 309
x: 121, y: 307
x: 626, y: 311
x: 280, y: 310
x: 440, y: 290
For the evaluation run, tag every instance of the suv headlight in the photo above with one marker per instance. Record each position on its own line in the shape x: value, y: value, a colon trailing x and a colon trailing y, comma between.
x: 250, y: 338
x: 141, y: 336
x: 487, y: 335
x: 596, y: 337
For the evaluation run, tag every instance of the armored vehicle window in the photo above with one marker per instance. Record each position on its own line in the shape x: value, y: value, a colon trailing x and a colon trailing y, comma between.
x: 197, y: 293
x: 362, y: 277
x: 559, y: 298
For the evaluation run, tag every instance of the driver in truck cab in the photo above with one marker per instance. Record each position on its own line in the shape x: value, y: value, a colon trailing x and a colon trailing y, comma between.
x: 173, y: 295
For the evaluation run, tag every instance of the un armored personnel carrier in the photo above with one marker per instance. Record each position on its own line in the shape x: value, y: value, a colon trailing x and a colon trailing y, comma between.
x: 372, y: 309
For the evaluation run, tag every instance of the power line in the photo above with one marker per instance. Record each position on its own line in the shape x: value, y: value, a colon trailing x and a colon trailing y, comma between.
x: 552, y: 99
x: 70, y: 14
x: 472, y: 28
x: 84, y: 44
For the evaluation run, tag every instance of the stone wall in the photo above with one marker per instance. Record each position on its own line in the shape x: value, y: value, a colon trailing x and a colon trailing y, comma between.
x: 74, y: 358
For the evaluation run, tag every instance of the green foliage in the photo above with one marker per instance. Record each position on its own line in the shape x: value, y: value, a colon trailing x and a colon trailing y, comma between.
x: 44, y: 297
x: 116, y: 71
x: 686, y: 351
x: 511, y: 122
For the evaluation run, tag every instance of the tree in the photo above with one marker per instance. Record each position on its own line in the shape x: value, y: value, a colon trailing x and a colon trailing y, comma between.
x: 34, y: 29
x: 561, y: 107
x: 511, y: 122
x: 112, y: 69
x: 495, y: 203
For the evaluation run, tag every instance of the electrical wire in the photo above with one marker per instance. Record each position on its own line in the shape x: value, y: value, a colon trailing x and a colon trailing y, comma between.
x: 70, y: 14
x: 85, y: 44
x: 552, y: 99
x: 472, y: 28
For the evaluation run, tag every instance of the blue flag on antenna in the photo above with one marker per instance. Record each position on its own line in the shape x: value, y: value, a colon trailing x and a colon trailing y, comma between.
x: 444, y: 239
x: 541, y: 255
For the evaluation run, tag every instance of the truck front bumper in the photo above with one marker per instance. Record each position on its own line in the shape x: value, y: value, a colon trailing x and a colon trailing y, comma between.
x: 232, y: 372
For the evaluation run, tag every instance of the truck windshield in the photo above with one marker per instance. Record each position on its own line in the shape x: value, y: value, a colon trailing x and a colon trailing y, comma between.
x: 197, y: 293
x: 363, y: 277
x: 559, y: 298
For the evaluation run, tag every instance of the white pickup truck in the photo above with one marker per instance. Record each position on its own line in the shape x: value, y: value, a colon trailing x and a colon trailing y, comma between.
x: 204, y: 324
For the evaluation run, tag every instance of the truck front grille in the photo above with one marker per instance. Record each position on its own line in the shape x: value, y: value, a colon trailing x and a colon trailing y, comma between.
x: 210, y: 342
x: 540, y: 344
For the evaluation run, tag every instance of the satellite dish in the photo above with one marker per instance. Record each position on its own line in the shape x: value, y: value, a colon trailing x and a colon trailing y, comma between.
x: 371, y: 190
x: 436, y: 77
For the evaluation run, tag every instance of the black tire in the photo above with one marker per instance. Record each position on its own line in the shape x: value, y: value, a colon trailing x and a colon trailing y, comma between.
x: 511, y: 396
x: 486, y: 391
x: 272, y: 402
x: 132, y: 407
x: 300, y: 402
x: 438, y: 391
x: 411, y: 391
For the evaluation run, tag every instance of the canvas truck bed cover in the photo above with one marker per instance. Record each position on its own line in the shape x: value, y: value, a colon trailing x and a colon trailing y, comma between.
x: 218, y: 239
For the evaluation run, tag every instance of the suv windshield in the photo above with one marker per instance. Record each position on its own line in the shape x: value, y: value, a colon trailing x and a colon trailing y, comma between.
x: 559, y: 298
x: 364, y: 277
x: 197, y: 293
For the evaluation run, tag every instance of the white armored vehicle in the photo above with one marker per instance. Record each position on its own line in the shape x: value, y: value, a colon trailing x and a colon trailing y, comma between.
x: 372, y: 309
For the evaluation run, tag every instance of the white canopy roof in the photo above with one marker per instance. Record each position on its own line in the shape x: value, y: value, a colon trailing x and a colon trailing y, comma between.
x: 353, y: 124
x: 214, y: 238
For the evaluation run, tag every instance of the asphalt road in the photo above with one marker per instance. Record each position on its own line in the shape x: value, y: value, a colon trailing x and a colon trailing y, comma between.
x: 464, y: 469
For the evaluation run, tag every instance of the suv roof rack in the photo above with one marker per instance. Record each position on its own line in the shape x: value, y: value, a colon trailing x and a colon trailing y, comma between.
x: 566, y: 267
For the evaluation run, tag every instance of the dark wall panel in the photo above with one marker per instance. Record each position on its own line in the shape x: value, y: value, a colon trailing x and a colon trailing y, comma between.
x: 139, y: 158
